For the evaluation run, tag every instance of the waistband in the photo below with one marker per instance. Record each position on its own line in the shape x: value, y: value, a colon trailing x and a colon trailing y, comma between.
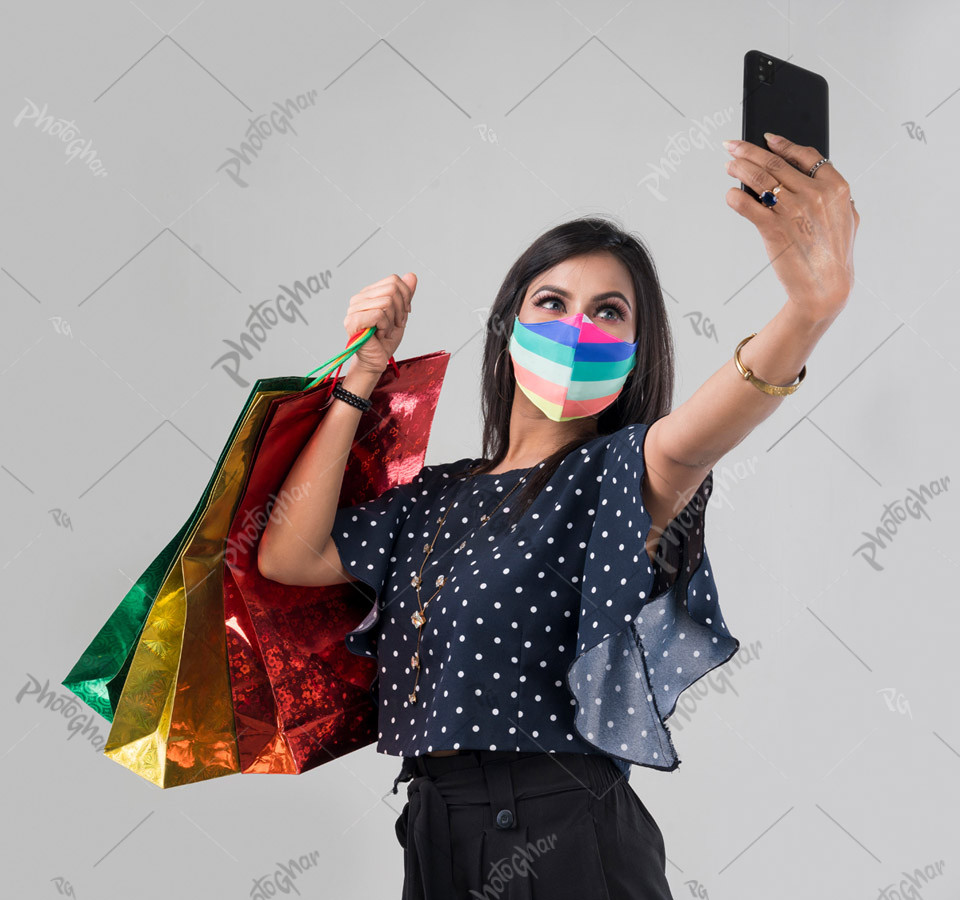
x: 436, y: 766
x: 498, y: 778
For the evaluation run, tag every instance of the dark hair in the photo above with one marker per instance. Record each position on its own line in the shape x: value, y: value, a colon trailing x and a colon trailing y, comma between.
x: 647, y: 394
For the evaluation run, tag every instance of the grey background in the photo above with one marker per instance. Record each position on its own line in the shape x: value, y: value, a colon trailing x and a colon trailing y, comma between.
x: 445, y: 137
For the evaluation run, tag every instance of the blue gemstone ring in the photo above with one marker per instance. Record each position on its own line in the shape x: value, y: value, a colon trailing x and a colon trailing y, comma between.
x: 769, y: 198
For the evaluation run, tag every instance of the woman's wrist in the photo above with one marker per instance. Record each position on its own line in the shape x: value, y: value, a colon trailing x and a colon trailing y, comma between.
x: 361, y: 381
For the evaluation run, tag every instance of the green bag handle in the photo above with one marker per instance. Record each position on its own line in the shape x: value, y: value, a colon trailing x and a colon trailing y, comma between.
x: 336, y: 362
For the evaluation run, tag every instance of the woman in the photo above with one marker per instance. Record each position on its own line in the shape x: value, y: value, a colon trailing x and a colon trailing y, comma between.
x: 540, y: 610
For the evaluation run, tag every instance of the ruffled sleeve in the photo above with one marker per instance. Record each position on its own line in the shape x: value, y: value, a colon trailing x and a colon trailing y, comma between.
x: 366, y: 537
x: 646, y: 632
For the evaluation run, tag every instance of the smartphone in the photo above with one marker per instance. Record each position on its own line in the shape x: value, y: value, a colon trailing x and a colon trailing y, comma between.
x: 784, y: 99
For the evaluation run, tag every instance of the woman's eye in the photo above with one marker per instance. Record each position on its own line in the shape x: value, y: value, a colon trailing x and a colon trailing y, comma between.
x: 615, y: 309
x: 549, y: 298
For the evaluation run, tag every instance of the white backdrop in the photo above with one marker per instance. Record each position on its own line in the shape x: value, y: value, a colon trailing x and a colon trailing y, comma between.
x: 442, y: 138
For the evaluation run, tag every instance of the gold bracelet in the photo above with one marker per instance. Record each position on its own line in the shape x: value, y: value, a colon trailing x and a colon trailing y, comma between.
x: 777, y: 390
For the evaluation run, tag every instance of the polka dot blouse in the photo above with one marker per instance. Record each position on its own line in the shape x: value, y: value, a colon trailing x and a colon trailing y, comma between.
x: 554, y: 633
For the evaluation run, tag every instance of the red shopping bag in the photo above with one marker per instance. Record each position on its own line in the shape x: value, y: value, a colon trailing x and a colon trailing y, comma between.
x: 300, y: 698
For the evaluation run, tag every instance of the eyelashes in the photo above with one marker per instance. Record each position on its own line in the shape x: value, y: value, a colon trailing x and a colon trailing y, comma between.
x: 616, y: 307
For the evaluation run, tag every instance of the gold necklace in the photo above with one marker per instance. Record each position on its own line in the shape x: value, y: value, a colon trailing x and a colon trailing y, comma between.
x: 418, y: 618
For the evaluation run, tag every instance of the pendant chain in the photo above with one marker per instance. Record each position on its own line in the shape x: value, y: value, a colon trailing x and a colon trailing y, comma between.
x: 418, y: 618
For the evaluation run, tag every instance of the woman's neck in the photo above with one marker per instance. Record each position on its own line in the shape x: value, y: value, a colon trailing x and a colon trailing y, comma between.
x: 534, y: 437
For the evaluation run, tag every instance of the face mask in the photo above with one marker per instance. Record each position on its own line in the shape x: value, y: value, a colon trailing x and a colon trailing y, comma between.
x: 569, y: 368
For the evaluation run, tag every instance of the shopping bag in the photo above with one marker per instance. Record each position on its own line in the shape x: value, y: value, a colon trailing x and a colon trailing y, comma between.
x: 173, y: 723
x: 300, y: 697
x: 201, y: 739
x: 98, y: 676
x: 158, y: 667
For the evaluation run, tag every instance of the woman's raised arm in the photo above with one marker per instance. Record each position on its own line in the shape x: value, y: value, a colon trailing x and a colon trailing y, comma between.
x: 295, y: 547
x: 808, y: 235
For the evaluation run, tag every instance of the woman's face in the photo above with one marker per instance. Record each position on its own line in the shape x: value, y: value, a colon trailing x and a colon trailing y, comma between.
x: 596, y: 284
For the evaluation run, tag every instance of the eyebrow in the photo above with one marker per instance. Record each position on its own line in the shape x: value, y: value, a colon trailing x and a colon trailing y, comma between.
x: 597, y: 299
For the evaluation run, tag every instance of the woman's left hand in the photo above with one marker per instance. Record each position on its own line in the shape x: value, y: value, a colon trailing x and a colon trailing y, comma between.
x: 809, y: 232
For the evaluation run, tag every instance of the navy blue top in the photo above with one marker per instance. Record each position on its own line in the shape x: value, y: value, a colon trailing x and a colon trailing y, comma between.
x: 556, y: 633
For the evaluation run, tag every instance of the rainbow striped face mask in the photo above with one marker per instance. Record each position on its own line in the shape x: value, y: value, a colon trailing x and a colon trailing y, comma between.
x: 570, y: 368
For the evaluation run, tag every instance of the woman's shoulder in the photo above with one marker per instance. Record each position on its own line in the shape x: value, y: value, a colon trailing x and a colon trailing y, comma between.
x: 628, y: 433
x: 438, y: 474
x: 615, y: 446
x: 601, y: 459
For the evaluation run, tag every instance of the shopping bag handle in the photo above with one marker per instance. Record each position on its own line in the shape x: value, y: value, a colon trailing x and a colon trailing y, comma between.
x: 336, y: 362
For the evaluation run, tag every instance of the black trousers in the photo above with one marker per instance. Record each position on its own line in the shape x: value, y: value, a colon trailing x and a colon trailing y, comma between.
x: 511, y: 825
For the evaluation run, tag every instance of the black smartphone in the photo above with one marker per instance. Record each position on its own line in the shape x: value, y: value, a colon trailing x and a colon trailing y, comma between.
x: 784, y: 99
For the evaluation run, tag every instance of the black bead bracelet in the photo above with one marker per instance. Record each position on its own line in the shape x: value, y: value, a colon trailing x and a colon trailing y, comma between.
x: 360, y: 403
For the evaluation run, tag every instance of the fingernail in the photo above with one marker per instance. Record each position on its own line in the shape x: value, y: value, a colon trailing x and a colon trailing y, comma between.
x: 729, y: 145
x: 772, y: 138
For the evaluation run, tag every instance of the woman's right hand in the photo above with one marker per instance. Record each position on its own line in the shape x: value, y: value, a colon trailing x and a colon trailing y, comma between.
x: 386, y: 304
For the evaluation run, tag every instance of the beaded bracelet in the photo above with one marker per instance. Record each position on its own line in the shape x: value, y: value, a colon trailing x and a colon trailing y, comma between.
x: 360, y: 403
